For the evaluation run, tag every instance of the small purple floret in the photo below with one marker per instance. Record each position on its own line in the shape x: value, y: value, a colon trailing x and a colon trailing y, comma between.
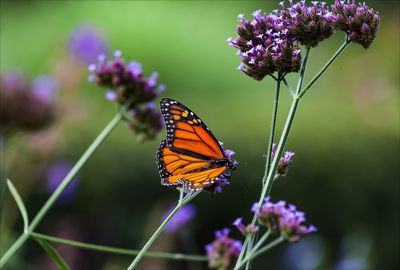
x: 223, y: 252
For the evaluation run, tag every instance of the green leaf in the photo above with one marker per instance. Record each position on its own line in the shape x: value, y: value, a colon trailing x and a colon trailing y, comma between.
x: 53, y: 254
x: 20, y: 204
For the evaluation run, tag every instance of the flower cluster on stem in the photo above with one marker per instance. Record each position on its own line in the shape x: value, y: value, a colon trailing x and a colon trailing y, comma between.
x: 359, y: 22
x: 223, y: 252
x: 127, y: 84
x: 279, y: 218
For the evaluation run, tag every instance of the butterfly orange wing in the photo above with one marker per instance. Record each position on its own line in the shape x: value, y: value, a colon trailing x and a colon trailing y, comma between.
x: 189, y: 155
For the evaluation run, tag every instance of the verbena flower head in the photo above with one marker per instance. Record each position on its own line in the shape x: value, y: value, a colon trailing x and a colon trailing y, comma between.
x: 249, y: 229
x: 146, y: 121
x: 265, y: 46
x: 223, y: 179
x: 183, y: 216
x: 359, y: 22
x: 223, y: 252
x: 286, y: 220
x: 86, y: 42
x: 55, y: 174
x: 26, y: 106
x: 284, y: 162
x: 126, y: 82
x: 308, y: 25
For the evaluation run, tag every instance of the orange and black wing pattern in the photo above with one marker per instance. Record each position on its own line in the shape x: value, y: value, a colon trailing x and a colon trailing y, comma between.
x: 190, y: 156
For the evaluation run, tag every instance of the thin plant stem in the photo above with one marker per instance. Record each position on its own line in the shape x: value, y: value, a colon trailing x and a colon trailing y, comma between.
x: 268, y: 180
x: 288, y: 86
x: 49, y: 203
x: 273, y: 126
x: 269, y: 151
x: 285, y: 133
x: 185, y: 200
x: 262, y: 240
x: 121, y: 251
x: 260, y: 251
x: 319, y: 74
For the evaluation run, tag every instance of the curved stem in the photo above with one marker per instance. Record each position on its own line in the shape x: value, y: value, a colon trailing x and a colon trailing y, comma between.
x: 181, y: 203
x: 78, y: 165
x: 319, y: 74
x: 260, y: 251
x: 122, y: 251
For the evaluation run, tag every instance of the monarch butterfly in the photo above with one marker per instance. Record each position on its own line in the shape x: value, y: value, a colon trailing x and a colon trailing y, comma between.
x: 190, y: 156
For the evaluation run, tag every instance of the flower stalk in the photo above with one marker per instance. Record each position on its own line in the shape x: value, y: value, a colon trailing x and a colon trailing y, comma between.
x: 268, y: 178
x: 114, y: 250
x: 63, y: 185
x: 259, y: 252
x: 319, y: 74
x: 143, y: 251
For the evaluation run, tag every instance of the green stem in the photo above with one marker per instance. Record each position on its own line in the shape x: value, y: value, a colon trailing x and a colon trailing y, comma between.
x: 285, y: 133
x: 272, y: 129
x: 262, y: 240
x: 278, y: 153
x: 319, y: 74
x: 46, y: 207
x: 288, y: 86
x: 185, y: 200
x: 260, y: 251
x: 122, y: 251
x: 269, y: 151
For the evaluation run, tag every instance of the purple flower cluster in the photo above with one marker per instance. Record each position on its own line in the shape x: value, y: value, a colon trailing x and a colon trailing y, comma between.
x: 308, y: 25
x: 265, y: 46
x: 26, y: 106
x: 222, y: 180
x: 223, y: 252
x: 360, y: 22
x: 128, y: 85
x: 269, y: 43
x: 279, y: 218
x: 183, y: 216
x: 249, y: 229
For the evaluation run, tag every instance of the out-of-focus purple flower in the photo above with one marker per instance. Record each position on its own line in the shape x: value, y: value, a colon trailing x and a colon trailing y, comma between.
x: 249, y: 229
x: 286, y: 220
x: 55, y: 174
x: 223, y: 252
x: 86, y: 42
x: 284, y: 162
x: 183, y: 216
x: 146, y: 121
x: 45, y: 88
x: 25, y: 106
x: 308, y: 25
x: 222, y: 180
x: 265, y: 46
x: 360, y: 23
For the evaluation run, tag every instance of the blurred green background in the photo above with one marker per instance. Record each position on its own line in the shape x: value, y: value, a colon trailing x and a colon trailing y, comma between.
x: 345, y: 174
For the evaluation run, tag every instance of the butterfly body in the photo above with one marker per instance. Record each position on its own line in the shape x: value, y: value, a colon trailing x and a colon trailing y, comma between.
x: 190, y: 156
